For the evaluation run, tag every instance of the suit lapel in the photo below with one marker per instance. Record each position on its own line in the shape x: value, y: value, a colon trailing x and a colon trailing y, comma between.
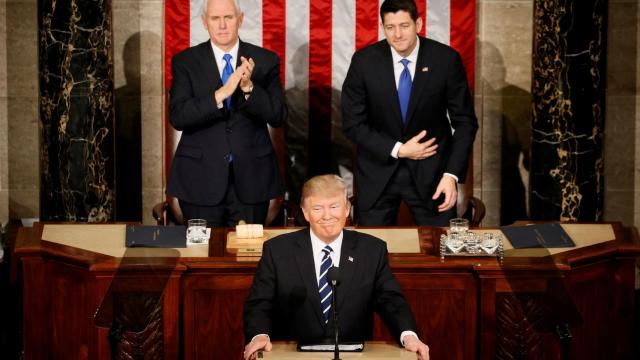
x: 420, y: 79
x: 348, y: 263
x: 306, y: 267
x: 209, y: 65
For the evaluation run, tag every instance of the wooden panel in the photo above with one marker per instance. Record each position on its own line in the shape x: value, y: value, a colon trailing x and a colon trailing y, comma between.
x: 212, y: 309
x: 444, y: 301
x: 37, y: 319
x: 71, y: 319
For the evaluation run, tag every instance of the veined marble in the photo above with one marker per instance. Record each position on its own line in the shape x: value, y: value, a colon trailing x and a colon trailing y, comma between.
x: 76, y: 110
x: 568, y: 109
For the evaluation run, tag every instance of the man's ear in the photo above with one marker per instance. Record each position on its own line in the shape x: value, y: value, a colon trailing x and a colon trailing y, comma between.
x: 304, y: 212
x: 418, y: 25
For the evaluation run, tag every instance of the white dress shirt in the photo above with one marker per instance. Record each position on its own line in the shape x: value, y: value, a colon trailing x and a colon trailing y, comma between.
x: 218, y: 55
x: 317, y: 245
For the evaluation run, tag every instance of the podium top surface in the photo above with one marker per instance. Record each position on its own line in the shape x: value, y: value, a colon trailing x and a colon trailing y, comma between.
x: 372, y: 350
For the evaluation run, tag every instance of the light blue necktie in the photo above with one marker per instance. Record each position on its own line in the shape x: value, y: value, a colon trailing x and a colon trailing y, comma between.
x: 226, y: 73
x: 323, y: 284
x: 404, y: 89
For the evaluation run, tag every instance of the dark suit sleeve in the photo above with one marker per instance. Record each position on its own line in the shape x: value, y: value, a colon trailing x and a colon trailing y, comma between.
x: 260, y: 303
x: 266, y: 101
x: 463, y: 119
x: 186, y: 109
x: 389, y: 301
x: 355, y: 122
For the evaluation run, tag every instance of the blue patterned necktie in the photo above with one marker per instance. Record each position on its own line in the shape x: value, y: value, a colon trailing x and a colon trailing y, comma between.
x: 323, y: 284
x: 226, y: 73
x: 404, y: 89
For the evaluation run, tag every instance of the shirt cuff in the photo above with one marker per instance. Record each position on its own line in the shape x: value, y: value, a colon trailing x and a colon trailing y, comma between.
x: 453, y: 176
x: 406, y: 333
x: 396, y: 148
x: 253, y: 338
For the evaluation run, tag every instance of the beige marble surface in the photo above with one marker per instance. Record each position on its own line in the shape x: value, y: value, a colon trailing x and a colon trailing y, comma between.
x: 109, y: 240
x: 582, y: 235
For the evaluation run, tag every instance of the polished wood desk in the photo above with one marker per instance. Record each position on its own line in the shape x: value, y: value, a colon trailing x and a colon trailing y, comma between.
x: 190, y: 307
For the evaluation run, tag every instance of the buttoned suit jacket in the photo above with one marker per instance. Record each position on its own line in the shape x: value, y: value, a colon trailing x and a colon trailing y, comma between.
x: 372, y: 120
x: 200, y: 169
x: 284, y: 301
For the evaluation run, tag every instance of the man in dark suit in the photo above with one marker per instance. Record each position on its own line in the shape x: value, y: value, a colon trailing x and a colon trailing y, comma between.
x: 400, y: 99
x: 223, y: 95
x: 290, y: 298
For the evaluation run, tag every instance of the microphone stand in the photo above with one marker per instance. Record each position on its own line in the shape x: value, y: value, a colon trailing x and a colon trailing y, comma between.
x: 336, y: 331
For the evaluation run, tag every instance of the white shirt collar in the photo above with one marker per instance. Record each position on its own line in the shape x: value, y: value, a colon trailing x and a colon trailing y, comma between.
x: 219, y: 53
x: 318, y: 244
x: 413, y: 57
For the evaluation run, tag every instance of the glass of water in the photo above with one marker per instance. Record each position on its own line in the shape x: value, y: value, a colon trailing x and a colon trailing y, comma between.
x: 197, y: 231
x: 458, y: 226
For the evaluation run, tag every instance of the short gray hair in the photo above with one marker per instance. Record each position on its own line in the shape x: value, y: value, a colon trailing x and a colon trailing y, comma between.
x: 203, y: 9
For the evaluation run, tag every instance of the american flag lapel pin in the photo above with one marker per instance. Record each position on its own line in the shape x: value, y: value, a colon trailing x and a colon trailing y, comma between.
x: 425, y: 69
x: 350, y: 258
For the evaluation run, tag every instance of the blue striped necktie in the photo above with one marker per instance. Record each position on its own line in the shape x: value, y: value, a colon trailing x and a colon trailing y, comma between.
x: 226, y: 73
x: 323, y: 284
x: 404, y: 89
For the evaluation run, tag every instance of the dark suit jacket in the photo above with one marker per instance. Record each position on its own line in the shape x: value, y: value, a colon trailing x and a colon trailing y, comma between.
x: 200, y: 169
x: 371, y: 117
x: 284, y: 300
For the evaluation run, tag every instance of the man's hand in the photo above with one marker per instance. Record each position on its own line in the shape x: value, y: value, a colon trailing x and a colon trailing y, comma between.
x: 260, y: 342
x: 246, y: 85
x: 448, y: 187
x: 230, y: 87
x: 415, y: 150
x: 413, y: 344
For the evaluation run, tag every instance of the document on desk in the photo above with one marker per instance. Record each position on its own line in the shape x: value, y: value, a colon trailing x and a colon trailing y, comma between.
x: 550, y: 235
x: 347, y: 347
x: 155, y: 236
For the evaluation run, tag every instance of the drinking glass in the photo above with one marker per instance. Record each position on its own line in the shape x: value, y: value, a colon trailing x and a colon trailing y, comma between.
x: 489, y: 243
x: 455, y: 242
x: 197, y: 231
x: 458, y: 226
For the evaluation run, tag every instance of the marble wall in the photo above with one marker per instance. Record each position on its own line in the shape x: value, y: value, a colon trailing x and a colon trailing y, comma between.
x: 4, y: 145
x: 569, y: 59
x: 503, y: 84
x: 19, y: 175
x: 76, y: 111
x: 144, y: 19
x: 622, y: 124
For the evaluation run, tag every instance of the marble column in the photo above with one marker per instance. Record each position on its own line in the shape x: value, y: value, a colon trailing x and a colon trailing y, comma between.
x: 76, y: 110
x: 568, y: 91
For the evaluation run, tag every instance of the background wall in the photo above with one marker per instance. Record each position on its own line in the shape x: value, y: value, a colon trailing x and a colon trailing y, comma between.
x: 503, y: 81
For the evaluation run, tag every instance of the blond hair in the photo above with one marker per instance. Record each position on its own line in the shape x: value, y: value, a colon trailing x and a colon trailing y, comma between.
x: 323, y: 185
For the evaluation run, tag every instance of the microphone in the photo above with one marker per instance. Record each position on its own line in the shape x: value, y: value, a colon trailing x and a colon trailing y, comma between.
x: 333, y: 276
